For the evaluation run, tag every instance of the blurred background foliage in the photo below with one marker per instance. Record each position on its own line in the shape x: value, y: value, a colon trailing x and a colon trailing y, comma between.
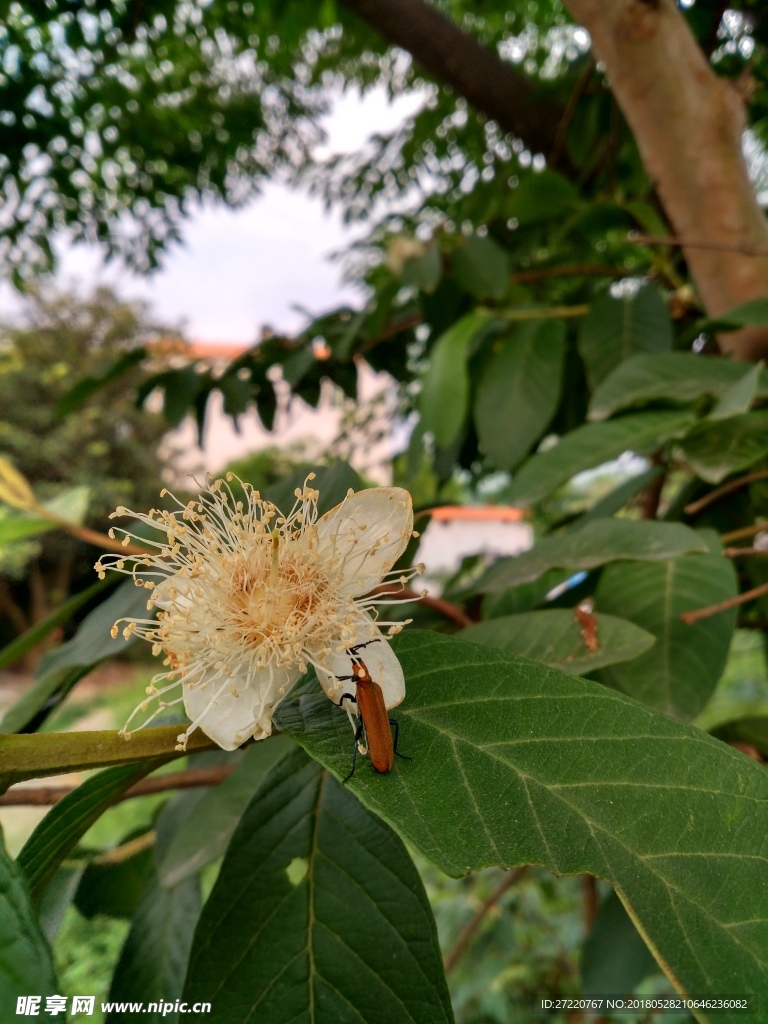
x: 104, y: 454
x: 506, y: 295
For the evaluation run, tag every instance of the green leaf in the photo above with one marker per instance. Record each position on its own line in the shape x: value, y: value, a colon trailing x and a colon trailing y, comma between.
x: 54, y: 753
x: 112, y: 884
x: 237, y: 394
x: 516, y: 763
x: 740, y: 396
x: 742, y: 692
x: 181, y: 387
x: 204, y: 836
x: 76, y: 397
x: 542, y: 197
x: 58, y: 897
x: 716, y: 449
x: 444, y: 398
x: 70, y: 818
x: 596, y: 543
x: 153, y: 960
x: 481, y: 267
x: 31, y: 637
x: 616, y: 499
x: 753, y: 313
x: 26, y: 965
x: 71, y: 505
x: 525, y: 598
x: 14, y: 528
x: 424, y: 272
x: 680, y: 673
x: 615, y: 329
x: 318, y: 914
x: 614, y: 959
x: 554, y: 637
x: 674, y: 377
x: 60, y: 669
x: 592, y: 445
x: 520, y: 391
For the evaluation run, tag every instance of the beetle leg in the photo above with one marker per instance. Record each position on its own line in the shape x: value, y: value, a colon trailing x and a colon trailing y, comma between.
x: 366, y: 643
x: 358, y: 734
x: 394, y: 745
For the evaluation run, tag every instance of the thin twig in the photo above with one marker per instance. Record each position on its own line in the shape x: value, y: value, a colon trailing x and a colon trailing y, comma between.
x: 570, y: 109
x: 119, y: 854
x: 689, y: 243
x: 749, y: 750
x: 743, y: 532
x: 544, y: 313
x: 446, y: 608
x: 590, y: 901
x: 734, y: 485
x: 722, y: 606
x: 651, y: 495
x: 99, y: 540
x: 469, y: 929
x: 45, y: 796
x: 577, y: 270
x: 742, y: 552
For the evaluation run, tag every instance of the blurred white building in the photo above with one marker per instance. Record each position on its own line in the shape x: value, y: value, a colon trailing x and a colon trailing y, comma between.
x: 458, y: 531
x: 312, y: 431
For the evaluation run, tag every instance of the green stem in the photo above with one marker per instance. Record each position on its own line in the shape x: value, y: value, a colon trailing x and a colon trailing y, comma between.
x: 35, y: 755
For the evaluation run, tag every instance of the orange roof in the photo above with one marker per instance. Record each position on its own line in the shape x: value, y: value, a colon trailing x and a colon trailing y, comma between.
x: 495, y: 513
x: 218, y: 350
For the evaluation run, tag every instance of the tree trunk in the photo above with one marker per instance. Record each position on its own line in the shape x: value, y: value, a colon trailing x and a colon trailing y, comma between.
x: 687, y: 121
x: 688, y: 125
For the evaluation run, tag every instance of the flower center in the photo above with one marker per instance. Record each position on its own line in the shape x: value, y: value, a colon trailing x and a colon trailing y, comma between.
x: 283, y: 595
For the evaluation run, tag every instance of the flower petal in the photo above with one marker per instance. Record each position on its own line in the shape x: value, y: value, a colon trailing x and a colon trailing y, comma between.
x: 367, y: 532
x: 173, y: 592
x: 235, y: 709
x: 380, y: 660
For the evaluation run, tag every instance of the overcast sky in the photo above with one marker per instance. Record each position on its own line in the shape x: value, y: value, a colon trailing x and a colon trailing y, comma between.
x: 241, y: 269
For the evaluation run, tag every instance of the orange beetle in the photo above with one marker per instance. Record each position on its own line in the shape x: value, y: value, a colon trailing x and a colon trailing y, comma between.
x: 374, y: 721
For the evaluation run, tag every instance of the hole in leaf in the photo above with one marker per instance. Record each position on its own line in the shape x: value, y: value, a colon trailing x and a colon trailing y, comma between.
x: 296, y: 870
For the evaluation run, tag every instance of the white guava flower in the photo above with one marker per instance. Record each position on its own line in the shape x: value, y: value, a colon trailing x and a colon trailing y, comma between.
x: 248, y: 598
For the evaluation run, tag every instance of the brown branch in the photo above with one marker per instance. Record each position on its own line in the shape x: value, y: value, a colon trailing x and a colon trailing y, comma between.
x: 13, y: 610
x: 651, y: 496
x: 743, y: 532
x: 455, y: 58
x: 577, y: 270
x: 44, y: 796
x: 689, y: 243
x: 744, y: 552
x: 391, y: 331
x: 446, y: 608
x: 120, y: 854
x: 590, y: 901
x: 749, y: 750
x: 471, y: 927
x: 570, y: 109
x: 696, y: 506
x: 722, y: 606
x: 99, y: 540
x: 537, y: 313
